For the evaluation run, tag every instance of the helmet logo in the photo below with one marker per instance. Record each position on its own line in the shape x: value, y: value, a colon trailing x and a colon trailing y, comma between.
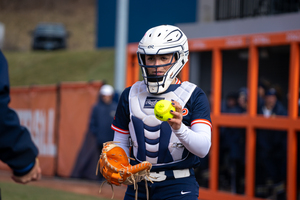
x: 151, y: 101
x: 151, y: 47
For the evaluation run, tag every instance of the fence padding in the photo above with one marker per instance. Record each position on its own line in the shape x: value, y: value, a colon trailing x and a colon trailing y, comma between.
x: 57, y: 117
x: 36, y: 108
x: 76, y: 102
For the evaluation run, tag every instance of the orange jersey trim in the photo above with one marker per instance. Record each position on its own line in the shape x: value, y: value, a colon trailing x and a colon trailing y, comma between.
x: 201, y: 121
x: 177, y: 81
x: 119, y: 130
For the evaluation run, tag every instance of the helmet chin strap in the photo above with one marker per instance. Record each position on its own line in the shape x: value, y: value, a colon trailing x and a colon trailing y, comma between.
x: 156, y: 89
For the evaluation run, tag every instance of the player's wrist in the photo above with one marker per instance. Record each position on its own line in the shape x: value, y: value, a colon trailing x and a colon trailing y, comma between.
x: 32, y: 175
x: 25, y: 170
x: 181, y: 130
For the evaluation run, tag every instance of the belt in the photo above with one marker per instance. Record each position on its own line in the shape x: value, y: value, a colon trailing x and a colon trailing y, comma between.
x: 170, y: 174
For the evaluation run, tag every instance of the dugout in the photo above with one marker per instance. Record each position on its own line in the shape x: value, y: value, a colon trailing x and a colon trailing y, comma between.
x: 230, y: 55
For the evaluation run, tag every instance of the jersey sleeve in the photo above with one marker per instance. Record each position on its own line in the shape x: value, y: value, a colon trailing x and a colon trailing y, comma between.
x: 16, y: 147
x: 200, y: 108
x: 197, y: 138
x: 122, y: 116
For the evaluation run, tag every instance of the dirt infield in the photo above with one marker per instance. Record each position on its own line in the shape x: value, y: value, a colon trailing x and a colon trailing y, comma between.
x: 73, y: 185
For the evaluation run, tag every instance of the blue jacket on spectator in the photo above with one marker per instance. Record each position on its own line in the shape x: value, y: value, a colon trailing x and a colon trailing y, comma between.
x: 101, y: 120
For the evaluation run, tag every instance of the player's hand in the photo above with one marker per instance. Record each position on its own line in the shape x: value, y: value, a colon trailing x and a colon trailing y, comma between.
x: 176, y: 121
x: 34, y: 174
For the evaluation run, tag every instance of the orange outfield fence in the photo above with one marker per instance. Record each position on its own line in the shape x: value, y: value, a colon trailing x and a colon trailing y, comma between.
x: 36, y: 108
x: 76, y: 102
x: 57, y: 118
x: 250, y: 121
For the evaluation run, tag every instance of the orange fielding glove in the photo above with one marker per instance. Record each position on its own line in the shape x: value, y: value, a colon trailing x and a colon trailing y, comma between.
x: 116, y: 169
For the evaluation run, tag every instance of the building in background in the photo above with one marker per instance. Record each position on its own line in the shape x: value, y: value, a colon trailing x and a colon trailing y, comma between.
x: 212, y: 19
x: 224, y: 18
x: 141, y: 17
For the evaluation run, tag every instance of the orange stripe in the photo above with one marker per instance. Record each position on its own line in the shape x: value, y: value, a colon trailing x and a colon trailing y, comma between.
x: 203, y: 121
x: 119, y: 130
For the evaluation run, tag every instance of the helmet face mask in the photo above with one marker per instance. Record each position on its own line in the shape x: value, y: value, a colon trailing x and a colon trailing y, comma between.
x: 162, y: 40
x: 152, y: 79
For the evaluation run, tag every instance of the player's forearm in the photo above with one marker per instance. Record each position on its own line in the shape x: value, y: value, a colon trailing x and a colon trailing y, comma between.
x: 197, y: 140
x: 34, y: 174
x: 124, y: 141
x: 18, y: 150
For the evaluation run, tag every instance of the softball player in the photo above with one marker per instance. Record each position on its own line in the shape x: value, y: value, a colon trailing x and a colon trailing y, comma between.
x: 173, y: 147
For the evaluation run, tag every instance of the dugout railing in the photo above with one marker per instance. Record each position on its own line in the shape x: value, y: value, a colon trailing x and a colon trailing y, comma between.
x: 250, y: 121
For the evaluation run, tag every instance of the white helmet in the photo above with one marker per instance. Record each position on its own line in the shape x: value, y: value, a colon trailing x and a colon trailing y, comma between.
x: 106, y: 90
x: 164, y: 39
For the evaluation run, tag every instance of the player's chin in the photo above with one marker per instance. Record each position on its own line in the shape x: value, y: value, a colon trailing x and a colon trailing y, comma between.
x: 156, y: 75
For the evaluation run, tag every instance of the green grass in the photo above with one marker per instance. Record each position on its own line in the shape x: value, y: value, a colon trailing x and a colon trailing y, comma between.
x: 13, y: 191
x: 52, y: 67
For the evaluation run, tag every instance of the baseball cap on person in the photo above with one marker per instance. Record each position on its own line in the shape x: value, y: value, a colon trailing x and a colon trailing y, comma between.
x: 271, y: 91
x: 106, y: 90
x: 243, y: 91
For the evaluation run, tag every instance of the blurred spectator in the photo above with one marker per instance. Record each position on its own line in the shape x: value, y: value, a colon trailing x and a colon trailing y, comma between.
x: 16, y: 147
x: 261, y: 91
x: 272, y: 106
x: 263, y: 86
x: 230, y: 104
x: 102, y: 116
x: 271, y: 152
x: 243, y: 100
x: 99, y: 132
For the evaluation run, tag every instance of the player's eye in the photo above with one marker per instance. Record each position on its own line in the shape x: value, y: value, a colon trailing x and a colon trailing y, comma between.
x: 165, y: 58
x: 149, y: 58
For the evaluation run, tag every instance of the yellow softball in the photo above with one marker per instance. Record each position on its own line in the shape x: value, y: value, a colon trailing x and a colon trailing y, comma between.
x: 162, y: 110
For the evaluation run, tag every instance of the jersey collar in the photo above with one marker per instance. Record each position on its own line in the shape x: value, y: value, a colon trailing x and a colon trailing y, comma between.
x: 177, y: 81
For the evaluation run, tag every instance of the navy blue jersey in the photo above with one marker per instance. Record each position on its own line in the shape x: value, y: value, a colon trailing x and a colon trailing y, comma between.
x: 196, y: 110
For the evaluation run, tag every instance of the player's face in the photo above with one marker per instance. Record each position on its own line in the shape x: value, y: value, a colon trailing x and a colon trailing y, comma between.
x: 158, y: 60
